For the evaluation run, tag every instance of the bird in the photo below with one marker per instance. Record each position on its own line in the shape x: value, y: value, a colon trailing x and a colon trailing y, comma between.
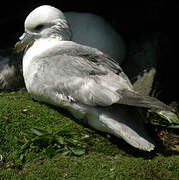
x: 83, y: 80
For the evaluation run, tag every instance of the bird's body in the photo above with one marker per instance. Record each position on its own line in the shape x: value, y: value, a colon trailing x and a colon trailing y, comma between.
x: 86, y: 82
x: 71, y: 88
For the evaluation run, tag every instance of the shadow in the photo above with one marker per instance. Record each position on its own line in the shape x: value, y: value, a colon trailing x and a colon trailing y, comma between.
x: 121, y: 144
x: 160, y: 149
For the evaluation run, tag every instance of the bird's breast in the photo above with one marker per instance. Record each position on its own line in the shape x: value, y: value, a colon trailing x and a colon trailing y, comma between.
x: 40, y: 46
x: 32, y: 55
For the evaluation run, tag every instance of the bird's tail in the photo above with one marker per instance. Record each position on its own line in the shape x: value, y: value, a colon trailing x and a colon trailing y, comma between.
x: 126, y: 123
x: 132, y: 98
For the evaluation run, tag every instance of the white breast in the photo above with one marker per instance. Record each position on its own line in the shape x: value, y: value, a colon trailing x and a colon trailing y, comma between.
x: 30, y: 64
x: 38, y: 48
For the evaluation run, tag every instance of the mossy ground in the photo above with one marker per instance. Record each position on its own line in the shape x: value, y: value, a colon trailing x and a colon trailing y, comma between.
x: 106, y: 157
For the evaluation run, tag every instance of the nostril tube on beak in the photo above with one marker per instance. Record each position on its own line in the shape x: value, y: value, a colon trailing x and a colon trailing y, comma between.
x: 25, y: 40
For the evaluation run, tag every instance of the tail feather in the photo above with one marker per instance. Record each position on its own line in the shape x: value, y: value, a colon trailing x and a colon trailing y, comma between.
x: 126, y: 123
x: 134, y: 99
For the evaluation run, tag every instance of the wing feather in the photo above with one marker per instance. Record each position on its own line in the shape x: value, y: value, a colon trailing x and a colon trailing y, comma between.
x: 90, y: 77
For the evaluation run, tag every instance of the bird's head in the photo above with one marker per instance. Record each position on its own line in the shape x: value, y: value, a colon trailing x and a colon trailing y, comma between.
x: 44, y: 22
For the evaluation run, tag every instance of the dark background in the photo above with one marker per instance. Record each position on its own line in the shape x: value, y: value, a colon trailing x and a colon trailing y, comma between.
x: 126, y: 16
x: 130, y: 18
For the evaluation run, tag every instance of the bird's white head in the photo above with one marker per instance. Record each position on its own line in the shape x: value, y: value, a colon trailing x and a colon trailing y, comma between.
x: 44, y: 22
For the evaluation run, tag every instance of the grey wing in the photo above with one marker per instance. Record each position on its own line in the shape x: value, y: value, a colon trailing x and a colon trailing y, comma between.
x: 85, y: 75
x: 104, y: 91
x: 88, y: 86
x: 80, y: 77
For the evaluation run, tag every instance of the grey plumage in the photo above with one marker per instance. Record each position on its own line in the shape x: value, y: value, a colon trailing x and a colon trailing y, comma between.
x: 90, y: 77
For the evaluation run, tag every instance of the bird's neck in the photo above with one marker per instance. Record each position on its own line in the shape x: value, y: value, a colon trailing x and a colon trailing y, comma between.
x: 41, y: 45
x: 61, y: 31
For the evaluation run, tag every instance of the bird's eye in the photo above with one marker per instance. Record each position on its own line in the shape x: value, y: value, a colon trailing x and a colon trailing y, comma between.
x: 39, y: 27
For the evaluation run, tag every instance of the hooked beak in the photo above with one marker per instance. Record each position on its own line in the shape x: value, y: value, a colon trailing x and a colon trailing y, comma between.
x: 25, y: 40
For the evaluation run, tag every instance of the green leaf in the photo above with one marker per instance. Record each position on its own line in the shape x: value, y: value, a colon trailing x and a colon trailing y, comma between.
x: 50, y: 152
x: 21, y: 157
x: 65, y: 152
x: 167, y: 115
x: 78, y: 151
x: 173, y: 126
x: 71, y: 142
x: 65, y: 133
x: 26, y: 145
x: 43, y: 140
x: 60, y: 140
x: 38, y: 132
x: 34, y: 148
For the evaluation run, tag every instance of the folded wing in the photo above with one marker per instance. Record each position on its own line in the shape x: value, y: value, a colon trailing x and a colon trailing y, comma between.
x: 85, y: 75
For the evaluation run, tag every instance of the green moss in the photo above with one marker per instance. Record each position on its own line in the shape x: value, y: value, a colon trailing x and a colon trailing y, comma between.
x: 105, y: 157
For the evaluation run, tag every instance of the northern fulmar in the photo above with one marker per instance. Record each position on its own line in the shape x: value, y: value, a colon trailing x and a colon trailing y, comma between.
x: 83, y: 80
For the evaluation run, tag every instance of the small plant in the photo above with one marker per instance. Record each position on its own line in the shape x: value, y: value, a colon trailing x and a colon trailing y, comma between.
x: 50, y: 144
x: 167, y: 124
x: 164, y: 118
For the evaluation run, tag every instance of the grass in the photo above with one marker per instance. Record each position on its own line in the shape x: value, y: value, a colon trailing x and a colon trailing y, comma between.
x: 105, y: 157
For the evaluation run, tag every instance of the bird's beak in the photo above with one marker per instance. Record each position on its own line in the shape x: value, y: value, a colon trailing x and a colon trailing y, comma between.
x: 25, y: 40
